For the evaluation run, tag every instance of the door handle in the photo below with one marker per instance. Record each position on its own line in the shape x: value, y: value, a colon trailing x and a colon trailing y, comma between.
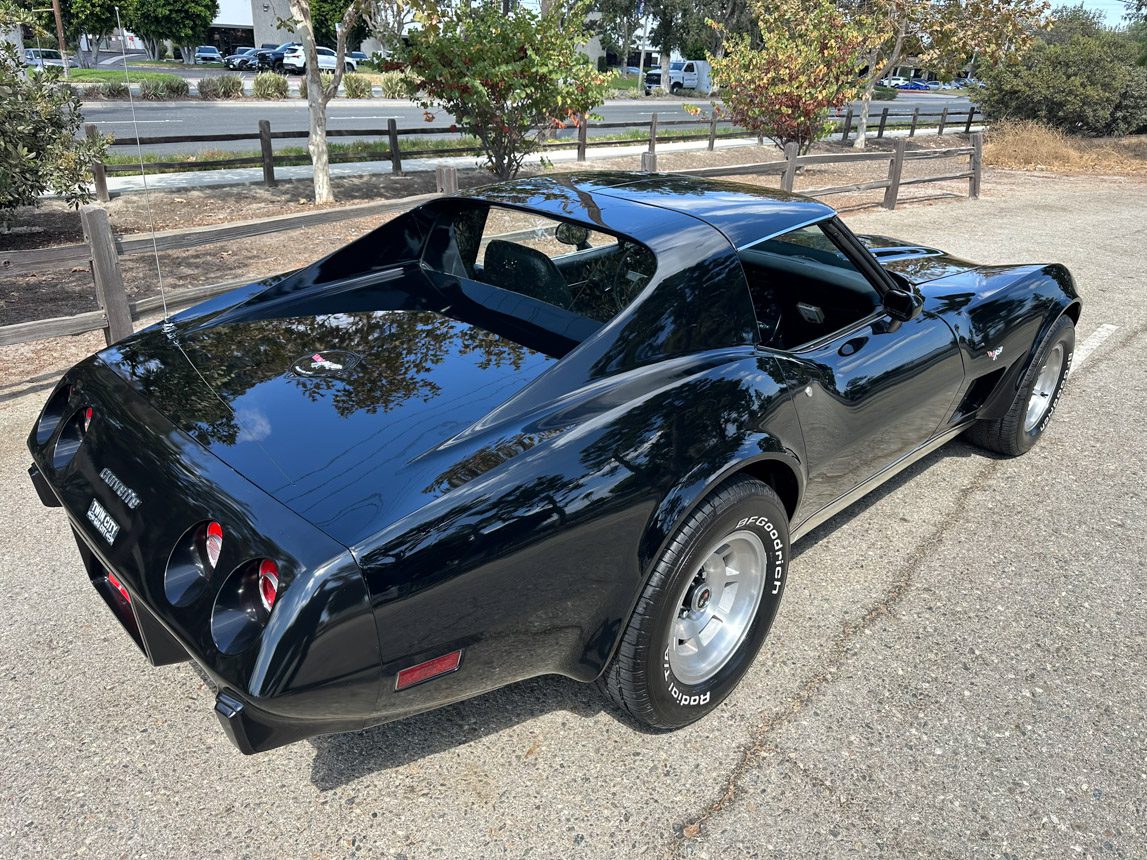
x: 849, y: 347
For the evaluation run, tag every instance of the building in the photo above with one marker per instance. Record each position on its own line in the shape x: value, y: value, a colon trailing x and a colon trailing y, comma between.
x: 249, y: 22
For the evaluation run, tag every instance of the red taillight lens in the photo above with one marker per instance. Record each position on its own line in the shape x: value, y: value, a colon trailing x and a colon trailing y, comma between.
x: 118, y: 586
x: 213, y: 544
x: 87, y: 419
x: 268, y: 583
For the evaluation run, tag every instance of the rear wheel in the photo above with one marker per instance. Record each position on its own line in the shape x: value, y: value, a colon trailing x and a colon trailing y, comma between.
x: 1030, y: 411
x: 706, y: 609
x: 347, y: 67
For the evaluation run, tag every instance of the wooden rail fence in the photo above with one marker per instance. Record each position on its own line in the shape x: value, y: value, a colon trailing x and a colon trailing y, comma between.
x: 709, y: 129
x: 102, y: 250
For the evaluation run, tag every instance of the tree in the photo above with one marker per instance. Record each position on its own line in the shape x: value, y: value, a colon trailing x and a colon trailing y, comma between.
x: 95, y: 19
x: 318, y: 95
x: 387, y: 21
x: 39, y: 118
x: 184, y: 22
x: 806, y: 64
x: 506, y: 79
x: 1082, y: 79
x: 944, y: 35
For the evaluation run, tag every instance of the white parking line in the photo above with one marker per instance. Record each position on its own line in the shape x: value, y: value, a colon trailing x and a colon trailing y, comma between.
x: 1091, y: 343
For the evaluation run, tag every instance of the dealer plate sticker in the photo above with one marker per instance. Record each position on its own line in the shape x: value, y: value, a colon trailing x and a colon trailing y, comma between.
x: 103, y: 522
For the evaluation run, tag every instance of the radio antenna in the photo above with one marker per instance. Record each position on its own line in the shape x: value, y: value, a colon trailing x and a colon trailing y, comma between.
x: 167, y: 324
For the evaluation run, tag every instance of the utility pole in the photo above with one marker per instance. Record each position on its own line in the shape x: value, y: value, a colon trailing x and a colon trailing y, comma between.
x: 60, y: 36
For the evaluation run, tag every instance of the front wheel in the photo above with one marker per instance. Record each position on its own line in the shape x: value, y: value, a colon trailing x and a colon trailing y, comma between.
x: 706, y: 609
x: 675, y: 88
x: 1036, y: 399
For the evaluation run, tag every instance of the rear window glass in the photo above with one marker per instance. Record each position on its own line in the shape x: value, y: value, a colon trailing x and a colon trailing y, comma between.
x: 587, y: 273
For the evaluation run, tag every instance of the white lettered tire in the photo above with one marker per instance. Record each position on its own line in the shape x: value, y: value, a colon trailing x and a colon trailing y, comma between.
x: 706, y: 609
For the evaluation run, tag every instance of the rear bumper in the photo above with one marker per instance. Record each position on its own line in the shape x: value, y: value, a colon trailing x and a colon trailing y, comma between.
x: 253, y: 730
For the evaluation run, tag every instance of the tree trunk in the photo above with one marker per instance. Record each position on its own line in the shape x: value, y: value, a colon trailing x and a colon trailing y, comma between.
x: 317, y: 140
x: 862, y: 120
x: 666, y: 84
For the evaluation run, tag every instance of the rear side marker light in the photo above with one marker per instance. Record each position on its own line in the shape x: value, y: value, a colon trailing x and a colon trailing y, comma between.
x: 443, y: 665
x: 213, y: 544
x: 118, y: 586
x: 268, y: 583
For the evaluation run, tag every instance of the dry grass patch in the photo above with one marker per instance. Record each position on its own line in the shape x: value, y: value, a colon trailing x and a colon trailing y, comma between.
x: 1030, y: 145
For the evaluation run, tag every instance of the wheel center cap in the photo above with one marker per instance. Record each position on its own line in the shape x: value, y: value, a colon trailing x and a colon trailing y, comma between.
x: 701, y: 598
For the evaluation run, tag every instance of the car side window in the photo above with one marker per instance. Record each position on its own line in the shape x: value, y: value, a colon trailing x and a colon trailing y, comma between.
x: 688, y: 67
x: 588, y: 272
x: 805, y: 287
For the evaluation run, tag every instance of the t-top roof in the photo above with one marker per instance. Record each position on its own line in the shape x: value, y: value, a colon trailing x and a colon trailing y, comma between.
x: 744, y: 213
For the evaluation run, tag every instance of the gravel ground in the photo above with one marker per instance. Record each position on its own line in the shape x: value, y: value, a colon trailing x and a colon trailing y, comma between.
x: 956, y: 671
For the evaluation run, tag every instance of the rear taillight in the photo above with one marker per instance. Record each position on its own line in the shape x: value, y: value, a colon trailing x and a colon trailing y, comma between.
x: 192, y: 563
x: 53, y: 413
x: 68, y: 442
x: 213, y: 543
x: 268, y: 583
x: 244, y: 603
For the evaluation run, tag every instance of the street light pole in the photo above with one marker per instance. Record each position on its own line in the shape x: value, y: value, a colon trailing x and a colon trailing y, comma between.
x: 60, y: 35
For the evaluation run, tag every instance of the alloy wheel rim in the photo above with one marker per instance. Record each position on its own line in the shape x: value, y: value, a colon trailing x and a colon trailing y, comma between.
x: 1041, y: 397
x: 716, y: 608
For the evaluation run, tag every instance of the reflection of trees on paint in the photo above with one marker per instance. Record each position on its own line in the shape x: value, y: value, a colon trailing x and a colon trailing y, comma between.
x: 400, y: 352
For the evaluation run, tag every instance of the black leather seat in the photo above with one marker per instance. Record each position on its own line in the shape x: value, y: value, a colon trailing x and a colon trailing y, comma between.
x: 525, y: 270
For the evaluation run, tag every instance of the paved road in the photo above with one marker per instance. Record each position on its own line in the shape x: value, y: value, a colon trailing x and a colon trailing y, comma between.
x: 956, y: 671
x: 196, y: 117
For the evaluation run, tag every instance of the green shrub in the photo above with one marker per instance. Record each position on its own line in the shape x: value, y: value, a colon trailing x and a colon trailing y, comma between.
x: 221, y: 87
x: 1087, y: 85
x: 164, y: 87
x: 111, y: 89
x: 357, y: 87
x: 269, y: 85
x: 325, y: 79
x: 40, y: 150
x: 885, y: 94
x: 396, y: 85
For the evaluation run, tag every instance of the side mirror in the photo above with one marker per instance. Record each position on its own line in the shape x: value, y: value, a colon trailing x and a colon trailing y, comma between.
x: 572, y: 234
x: 903, y: 304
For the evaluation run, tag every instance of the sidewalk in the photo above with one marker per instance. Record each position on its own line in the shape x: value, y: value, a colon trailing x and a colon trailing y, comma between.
x: 120, y: 184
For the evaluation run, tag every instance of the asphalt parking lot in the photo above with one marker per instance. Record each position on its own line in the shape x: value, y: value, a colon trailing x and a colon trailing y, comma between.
x: 957, y: 669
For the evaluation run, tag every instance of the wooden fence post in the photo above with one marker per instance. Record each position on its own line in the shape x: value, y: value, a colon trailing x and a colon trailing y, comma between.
x: 395, y: 154
x: 968, y: 124
x: 847, y: 125
x: 99, y: 171
x: 106, y: 272
x: 883, y: 122
x: 649, y: 162
x: 712, y: 131
x: 977, y: 164
x: 653, y: 132
x: 792, y: 150
x: 943, y: 121
x: 915, y: 117
x: 582, y: 133
x: 895, y: 168
x: 267, y: 153
x: 446, y: 180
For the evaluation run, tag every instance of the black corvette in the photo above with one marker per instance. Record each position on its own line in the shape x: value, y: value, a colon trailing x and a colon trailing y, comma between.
x: 563, y: 425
